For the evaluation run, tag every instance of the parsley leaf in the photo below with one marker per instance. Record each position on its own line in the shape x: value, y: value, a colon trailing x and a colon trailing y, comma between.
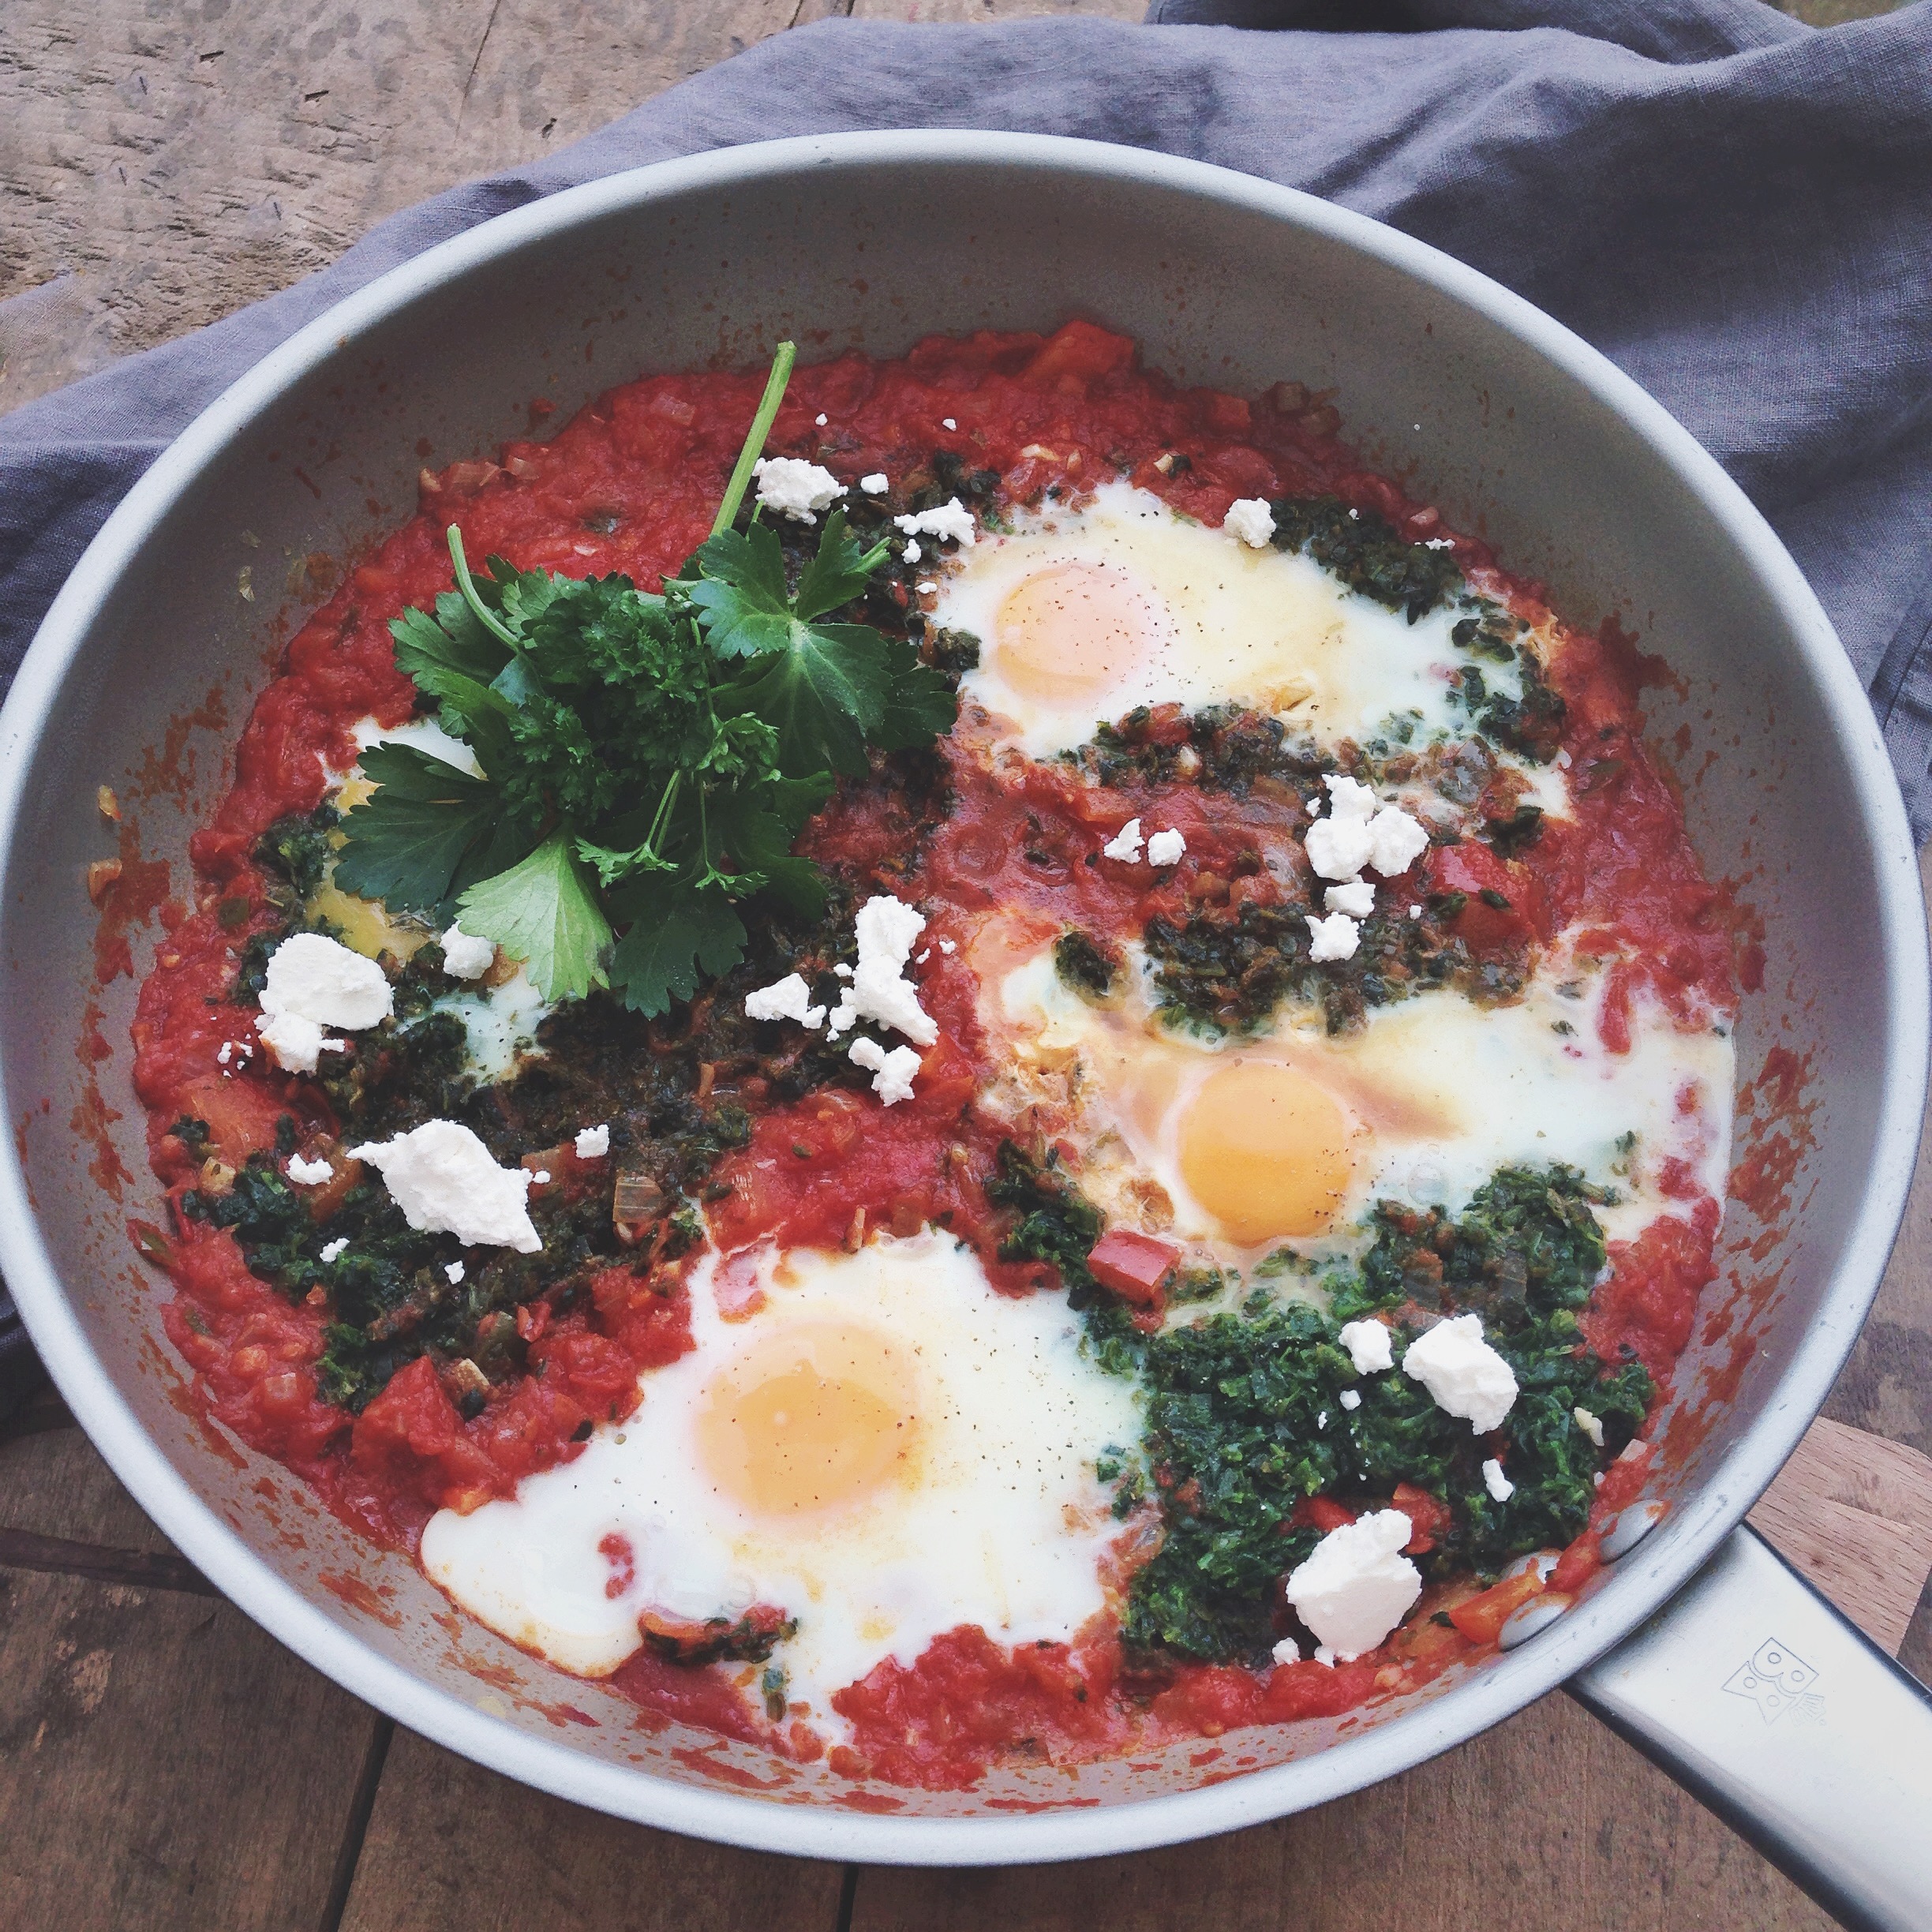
x: 429, y: 831
x: 660, y: 959
x: 544, y: 912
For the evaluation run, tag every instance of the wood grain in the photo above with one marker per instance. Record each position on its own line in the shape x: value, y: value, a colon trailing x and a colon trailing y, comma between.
x: 1547, y: 1820
x: 1853, y: 1513
x: 451, y: 1847
x: 166, y: 1764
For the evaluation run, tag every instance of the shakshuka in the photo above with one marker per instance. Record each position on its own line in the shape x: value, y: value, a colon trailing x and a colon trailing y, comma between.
x: 1059, y: 1078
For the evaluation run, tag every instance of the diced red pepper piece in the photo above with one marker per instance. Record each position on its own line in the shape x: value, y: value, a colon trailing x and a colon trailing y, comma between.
x: 1481, y: 1617
x: 1132, y: 1266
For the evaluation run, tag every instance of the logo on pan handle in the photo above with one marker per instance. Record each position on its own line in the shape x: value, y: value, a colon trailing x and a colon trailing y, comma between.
x: 1776, y: 1679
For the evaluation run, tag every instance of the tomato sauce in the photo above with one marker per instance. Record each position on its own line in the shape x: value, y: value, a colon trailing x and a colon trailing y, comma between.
x: 630, y: 486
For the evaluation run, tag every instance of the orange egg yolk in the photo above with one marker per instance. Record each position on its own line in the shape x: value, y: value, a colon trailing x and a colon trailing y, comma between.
x: 813, y: 1415
x: 1265, y: 1151
x: 1066, y: 634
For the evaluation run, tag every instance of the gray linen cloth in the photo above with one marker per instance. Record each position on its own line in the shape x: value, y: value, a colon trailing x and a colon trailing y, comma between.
x: 1735, y: 207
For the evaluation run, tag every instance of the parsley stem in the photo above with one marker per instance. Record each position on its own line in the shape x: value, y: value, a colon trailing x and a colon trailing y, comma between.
x: 486, y: 616
x: 754, y: 442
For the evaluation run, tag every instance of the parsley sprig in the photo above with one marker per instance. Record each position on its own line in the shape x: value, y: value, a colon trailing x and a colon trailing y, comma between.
x: 645, y: 761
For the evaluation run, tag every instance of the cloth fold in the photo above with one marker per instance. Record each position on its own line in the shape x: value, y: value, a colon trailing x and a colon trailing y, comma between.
x: 1732, y: 206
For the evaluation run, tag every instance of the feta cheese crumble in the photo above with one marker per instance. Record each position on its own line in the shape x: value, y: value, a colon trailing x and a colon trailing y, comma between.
x: 892, y: 1072
x: 951, y: 519
x: 1360, y: 831
x: 446, y: 1181
x: 819, y: 419
x: 1250, y: 519
x: 1356, y: 898
x: 1357, y: 1586
x: 1498, y: 1485
x: 465, y: 957
x: 913, y: 552
x: 1287, y: 1651
x: 878, y: 991
x: 946, y: 422
x: 1350, y: 1398
x: 315, y: 981
x: 1126, y: 844
x: 788, y: 998
x: 1334, y: 938
x: 795, y: 487
x: 925, y: 587
x: 1591, y: 1425
x: 876, y: 485
x: 309, y: 1173
x: 593, y: 1143
x: 1367, y: 1345
x: 454, y: 1273
x: 334, y: 1250
x: 1464, y: 1376
x: 1165, y: 848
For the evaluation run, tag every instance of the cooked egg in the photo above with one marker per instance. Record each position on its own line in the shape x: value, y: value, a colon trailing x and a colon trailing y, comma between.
x: 886, y: 1449
x: 1292, y: 1135
x: 1084, y: 612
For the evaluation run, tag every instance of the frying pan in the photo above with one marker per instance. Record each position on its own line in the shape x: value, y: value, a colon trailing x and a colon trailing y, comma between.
x: 1697, y: 1641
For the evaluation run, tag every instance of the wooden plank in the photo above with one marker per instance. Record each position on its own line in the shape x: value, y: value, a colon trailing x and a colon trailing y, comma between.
x: 1547, y: 1820
x: 174, y: 163
x: 167, y: 1765
x: 1854, y: 1512
x: 451, y: 1847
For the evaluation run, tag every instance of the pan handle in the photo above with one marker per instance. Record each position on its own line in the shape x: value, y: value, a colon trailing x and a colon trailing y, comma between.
x: 1752, y: 1692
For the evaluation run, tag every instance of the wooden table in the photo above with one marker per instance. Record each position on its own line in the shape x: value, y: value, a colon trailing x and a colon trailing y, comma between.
x: 167, y: 1764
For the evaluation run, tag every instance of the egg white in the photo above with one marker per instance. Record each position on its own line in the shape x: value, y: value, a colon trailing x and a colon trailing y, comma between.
x: 1438, y: 1093
x: 1006, y: 1526
x: 1262, y: 628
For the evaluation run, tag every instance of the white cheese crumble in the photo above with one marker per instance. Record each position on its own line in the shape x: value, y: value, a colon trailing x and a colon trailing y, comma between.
x: 946, y: 422
x: 1367, y: 1345
x: 454, y: 1273
x: 1165, y: 848
x: 886, y: 929
x: 1250, y: 519
x: 1334, y: 938
x: 1126, y: 844
x: 1397, y: 841
x: 593, y: 1143
x: 1498, y: 1485
x: 309, y: 1173
x: 925, y: 586
x: 1357, y: 1586
x: 1464, y: 1376
x: 446, y: 1182
x: 465, y: 957
x: 795, y: 487
x: 876, y: 485
x: 1350, y: 1398
x: 331, y: 1250
x: 913, y: 552
x: 1287, y: 1651
x: 788, y: 998
x: 948, y: 945
x: 1438, y: 543
x: 951, y: 519
x: 892, y: 1072
x: 1356, y: 898
x: 1592, y: 1426
x: 819, y: 419
x: 315, y: 981
x: 1360, y: 831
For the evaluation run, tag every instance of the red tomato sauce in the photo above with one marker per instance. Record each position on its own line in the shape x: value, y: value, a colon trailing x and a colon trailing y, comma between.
x: 630, y: 486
